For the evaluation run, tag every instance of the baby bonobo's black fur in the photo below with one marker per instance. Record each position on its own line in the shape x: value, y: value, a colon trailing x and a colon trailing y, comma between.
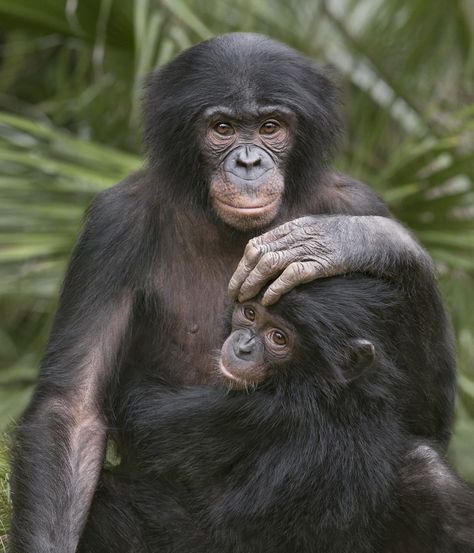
x: 314, y: 456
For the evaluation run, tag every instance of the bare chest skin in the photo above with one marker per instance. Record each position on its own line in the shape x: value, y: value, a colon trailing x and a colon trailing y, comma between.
x: 193, y: 317
x: 190, y: 282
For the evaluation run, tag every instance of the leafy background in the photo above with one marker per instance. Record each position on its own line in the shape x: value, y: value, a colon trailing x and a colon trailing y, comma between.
x: 71, y: 75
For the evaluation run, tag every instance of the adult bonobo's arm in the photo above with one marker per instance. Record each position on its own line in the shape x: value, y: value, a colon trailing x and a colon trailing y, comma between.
x: 61, y: 439
x: 313, y: 247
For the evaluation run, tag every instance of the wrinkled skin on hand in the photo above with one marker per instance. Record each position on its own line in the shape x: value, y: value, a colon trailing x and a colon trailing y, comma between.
x: 308, y: 248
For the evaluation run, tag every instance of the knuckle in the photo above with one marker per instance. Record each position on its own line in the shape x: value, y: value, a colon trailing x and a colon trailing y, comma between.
x: 297, y: 268
x: 250, y: 248
x: 301, y: 234
x: 254, y: 253
x: 269, y: 261
x: 253, y: 243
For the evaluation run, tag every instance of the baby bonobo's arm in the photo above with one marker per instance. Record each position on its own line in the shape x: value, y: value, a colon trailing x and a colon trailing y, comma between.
x: 436, y: 508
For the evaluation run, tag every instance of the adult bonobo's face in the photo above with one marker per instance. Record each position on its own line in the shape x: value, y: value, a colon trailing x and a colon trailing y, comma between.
x: 239, y: 128
x: 260, y: 342
x: 246, y: 154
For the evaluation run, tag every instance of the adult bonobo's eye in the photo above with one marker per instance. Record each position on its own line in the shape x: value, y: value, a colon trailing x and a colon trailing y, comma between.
x: 269, y: 127
x: 224, y: 129
x: 249, y: 313
x: 278, y: 338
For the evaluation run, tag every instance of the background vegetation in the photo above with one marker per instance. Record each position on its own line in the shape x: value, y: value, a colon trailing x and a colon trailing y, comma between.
x: 71, y: 74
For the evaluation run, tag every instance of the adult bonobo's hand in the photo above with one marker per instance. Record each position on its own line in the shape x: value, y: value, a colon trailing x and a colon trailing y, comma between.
x: 313, y: 247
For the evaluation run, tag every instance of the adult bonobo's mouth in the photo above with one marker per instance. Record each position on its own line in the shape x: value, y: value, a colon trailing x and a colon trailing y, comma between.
x: 248, y: 185
x: 252, y: 209
x: 247, y: 215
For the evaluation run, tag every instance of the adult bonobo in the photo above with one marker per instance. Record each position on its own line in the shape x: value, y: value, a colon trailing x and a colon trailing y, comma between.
x: 305, y: 447
x: 239, y: 131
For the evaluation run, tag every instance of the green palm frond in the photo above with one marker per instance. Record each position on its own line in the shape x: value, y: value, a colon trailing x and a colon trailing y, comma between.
x: 71, y: 76
x: 48, y: 178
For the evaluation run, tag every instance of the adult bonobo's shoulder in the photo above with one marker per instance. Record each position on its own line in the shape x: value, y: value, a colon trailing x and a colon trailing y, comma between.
x: 113, y: 243
x: 123, y: 202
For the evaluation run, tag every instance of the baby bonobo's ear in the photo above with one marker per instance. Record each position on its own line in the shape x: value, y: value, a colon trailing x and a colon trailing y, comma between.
x: 359, y: 357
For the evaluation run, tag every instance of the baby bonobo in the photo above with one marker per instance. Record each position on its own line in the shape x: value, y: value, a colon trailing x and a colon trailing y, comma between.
x: 305, y: 447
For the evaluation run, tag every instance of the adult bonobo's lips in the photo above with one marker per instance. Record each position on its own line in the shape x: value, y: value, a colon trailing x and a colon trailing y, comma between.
x: 250, y: 209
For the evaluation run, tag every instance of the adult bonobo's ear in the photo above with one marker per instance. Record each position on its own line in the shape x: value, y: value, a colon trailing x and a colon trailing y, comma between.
x: 359, y: 357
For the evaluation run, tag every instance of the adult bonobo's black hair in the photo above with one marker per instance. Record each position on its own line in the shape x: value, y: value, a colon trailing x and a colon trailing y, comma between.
x: 239, y: 71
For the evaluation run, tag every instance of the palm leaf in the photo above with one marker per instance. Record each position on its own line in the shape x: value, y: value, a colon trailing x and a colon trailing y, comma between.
x: 79, y: 67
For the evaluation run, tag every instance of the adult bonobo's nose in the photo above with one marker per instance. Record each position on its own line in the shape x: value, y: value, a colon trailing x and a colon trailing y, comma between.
x: 248, y: 157
x: 248, y: 162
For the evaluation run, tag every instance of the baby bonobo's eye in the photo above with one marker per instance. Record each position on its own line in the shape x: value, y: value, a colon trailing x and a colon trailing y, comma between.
x: 278, y: 338
x: 249, y: 313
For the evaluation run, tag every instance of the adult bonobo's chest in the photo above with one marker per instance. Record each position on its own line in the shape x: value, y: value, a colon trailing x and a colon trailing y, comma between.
x: 182, y: 312
x: 190, y: 324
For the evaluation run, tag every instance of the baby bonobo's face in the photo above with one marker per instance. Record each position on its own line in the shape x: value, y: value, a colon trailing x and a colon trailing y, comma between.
x: 262, y: 343
x: 259, y: 341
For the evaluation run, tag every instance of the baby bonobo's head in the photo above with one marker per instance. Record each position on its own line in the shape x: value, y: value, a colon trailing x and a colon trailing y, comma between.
x: 306, y: 333
x: 260, y: 342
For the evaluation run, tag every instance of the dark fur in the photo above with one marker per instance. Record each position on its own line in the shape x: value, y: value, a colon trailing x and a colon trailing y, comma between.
x: 146, y: 286
x: 306, y: 462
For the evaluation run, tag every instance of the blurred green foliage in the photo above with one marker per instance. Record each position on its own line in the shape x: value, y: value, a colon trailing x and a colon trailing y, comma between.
x: 71, y: 74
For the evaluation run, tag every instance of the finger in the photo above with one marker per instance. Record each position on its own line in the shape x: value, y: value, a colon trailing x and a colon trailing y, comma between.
x: 249, y: 260
x: 304, y: 240
x: 269, y: 237
x: 275, y: 234
x: 297, y: 273
x: 269, y: 265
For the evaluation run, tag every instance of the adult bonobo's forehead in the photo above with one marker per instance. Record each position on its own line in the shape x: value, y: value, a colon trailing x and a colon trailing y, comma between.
x: 244, y: 69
